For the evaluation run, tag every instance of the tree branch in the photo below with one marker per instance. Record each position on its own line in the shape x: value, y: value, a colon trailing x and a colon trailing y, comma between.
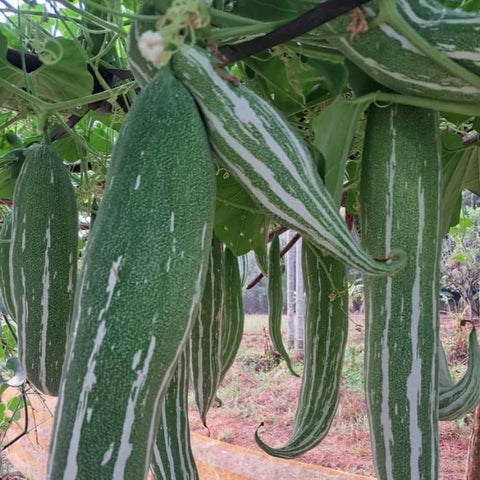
x: 304, y: 23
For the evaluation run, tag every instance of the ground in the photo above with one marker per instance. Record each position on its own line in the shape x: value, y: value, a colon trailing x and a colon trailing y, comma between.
x: 258, y: 388
x: 250, y: 397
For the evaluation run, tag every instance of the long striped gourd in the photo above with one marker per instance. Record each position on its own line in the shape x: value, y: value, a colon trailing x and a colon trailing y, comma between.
x: 257, y: 145
x: 233, y: 312
x: 326, y: 329
x: 400, y: 203
x: 386, y: 54
x: 5, y: 284
x: 172, y: 457
x: 445, y: 381
x: 461, y: 398
x: 139, y: 290
x: 43, y: 264
x: 206, y: 336
x: 275, y: 301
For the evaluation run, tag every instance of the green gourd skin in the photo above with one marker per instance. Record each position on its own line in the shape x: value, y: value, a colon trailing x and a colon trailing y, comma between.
x: 234, y: 315
x: 5, y: 285
x: 400, y: 208
x: 326, y: 331
x: 139, y: 289
x: 270, y: 159
x: 458, y: 400
x: 389, y: 57
x: 275, y: 301
x: 172, y: 453
x: 206, y: 336
x: 42, y: 264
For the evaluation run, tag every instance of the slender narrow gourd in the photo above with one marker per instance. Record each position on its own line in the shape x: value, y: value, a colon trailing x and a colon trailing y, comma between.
x: 206, y: 336
x: 172, y: 457
x: 43, y: 264
x: 400, y: 204
x: 5, y: 284
x: 257, y: 145
x: 463, y: 397
x: 445, y: 381
x: 139, y: 290
x: 326, y: 329
x: 275, y: 301
x: 234, y: 315
x: 386, y: 53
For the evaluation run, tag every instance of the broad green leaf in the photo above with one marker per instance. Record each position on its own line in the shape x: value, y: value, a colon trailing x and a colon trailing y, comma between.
x: 460, y: 169
x: 239, y: 223
x: 359, y: 81
x: 334, y: 73
x: 287, y: 82
x: 460, y: 257
x: 14, y: 404
x: 10, y: 165
x: 100, y: 139
x: 267, y: 10
x: 461, y: 228
x: 64, y: 77
x: 334, y: 129
x: 67, y: 148
x: 17, y: 375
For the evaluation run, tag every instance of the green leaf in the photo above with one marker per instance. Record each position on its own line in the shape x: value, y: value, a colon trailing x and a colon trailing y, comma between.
x: 239, y: 223
x: 14, y: 404
x: 334, y: 130
x: 287, y: 81
x: 65, y: 77
x: 54, y: 82
x: 334, y: 73
x: 462, y: 227
x: 10, y: 166
x: 359, y: 81
x: 67, y: 148
x: 460, y: 169
x: 17, y: 374
x: 267, y: 10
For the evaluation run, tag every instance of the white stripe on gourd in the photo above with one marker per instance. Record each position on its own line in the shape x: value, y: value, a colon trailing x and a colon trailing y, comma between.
x: 326, y: 329
x: 461, y: 398
x: 400, y: 202
x: 234, y: 316
x: 265, y: 154
x: 139, y: 291
x: 172, y: 457
x: 5, y: 284
x: 445, y: 381
x: 275, y: 301
x: 391, y: 59
x: 206, y: 336
x: 42, y: 263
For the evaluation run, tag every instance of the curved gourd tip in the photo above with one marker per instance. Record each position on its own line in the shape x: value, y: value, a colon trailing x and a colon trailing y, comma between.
x: 274, y: 452
x: 398, y: 259
x: 390, y: 265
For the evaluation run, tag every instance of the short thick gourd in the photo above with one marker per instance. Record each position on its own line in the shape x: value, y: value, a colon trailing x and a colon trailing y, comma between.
x: 43, y: 264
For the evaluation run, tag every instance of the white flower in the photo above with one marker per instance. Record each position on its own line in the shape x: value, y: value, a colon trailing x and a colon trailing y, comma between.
x: 150, y: 45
